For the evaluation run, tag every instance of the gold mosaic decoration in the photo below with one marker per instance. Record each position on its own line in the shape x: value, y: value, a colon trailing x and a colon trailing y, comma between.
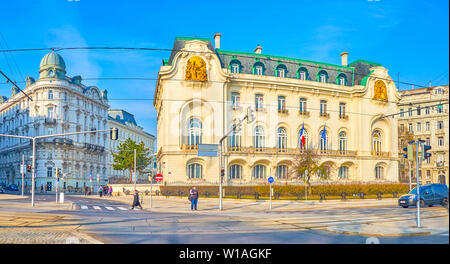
x: 380, y: 91
x: 196, y: 69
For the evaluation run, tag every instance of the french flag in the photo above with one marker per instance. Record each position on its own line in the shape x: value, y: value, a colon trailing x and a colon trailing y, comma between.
x: 302, y: 135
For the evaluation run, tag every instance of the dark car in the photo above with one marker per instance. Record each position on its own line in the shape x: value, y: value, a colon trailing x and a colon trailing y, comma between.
x: 430, y: 195
x: 12, y: 187
x: 1, y: 190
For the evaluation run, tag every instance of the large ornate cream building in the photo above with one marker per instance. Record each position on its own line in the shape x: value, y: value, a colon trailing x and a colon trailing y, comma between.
x: 424, y: 115
x: 61, y: 104
x: 201, y: 90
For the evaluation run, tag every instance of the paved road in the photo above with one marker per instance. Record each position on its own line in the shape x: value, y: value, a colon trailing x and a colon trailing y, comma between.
x: 114, y: 222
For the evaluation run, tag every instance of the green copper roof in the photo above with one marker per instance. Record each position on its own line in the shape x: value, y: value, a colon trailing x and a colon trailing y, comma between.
x: 53, y: 59
x: 364, y: 80
x: 192, y: 38
x: 284, y: 58
x: 367, y: 62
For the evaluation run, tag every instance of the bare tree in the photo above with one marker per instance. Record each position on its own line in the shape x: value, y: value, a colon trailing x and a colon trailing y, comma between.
x: 306, y: 163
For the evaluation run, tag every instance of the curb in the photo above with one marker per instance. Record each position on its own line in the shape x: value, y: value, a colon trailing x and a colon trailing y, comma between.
x: 378, y: 234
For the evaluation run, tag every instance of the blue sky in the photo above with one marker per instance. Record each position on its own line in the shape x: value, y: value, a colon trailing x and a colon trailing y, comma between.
x: 406, y: 36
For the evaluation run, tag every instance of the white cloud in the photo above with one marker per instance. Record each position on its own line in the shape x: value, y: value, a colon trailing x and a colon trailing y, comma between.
x: 78, y: 62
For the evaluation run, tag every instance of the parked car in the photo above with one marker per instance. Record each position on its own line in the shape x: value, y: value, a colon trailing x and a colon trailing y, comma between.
x: 12, y: 187
x: 430, y: 195
x: 1, y: 190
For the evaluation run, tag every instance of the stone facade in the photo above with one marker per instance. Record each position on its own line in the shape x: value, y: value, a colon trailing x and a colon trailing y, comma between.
x: 61, y: 104
x: 128, y: 128
x: 429, y: 123
x: 362, y: 146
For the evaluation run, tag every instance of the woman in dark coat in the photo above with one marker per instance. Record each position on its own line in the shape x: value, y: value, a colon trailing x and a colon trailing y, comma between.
x: 136, y: 200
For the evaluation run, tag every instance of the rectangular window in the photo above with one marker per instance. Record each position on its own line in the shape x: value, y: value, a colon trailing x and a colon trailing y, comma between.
x: 258, y: 70
x: 235, y: 68
x: 302, y: 107
x: 418, y: 111
x: 427, y: 141
x: 302, y: 75
x: 427, y: 126
x: 259, y: 101
x: 281, y: 72
x: 49, y: 172
x: 402, y: 114
x: 410, y: 111
x: 402, y: 128
x: 323, y: 106
x: 440, y: 125
x: 427, y: 110
x: 281, y: 103
x: 341, y: 110
x: 50, y: 112
x: 323, y: 78
x: 440, y: 141
x: 419, y: 126
x: 235, y: 100
x: 410, y: 127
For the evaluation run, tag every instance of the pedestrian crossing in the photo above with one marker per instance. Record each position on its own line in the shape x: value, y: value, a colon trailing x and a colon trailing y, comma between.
x: 105, y: 208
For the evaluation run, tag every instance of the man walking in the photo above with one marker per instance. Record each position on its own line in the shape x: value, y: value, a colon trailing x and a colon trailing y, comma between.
x: 193, y: 197
x: 100, y: 190
x: 136, y: 200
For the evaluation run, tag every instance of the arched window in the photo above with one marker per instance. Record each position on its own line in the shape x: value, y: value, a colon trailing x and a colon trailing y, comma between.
x: 322, y: 76
x: 194, y: 171
x: 235, y: 172
x: 282, y: 139
x: 376, y: 142
x: 194, y: 132
x: 259, y: 138
x: 306, y: 136
x: 341, y: 79
x: 342, y: 142
x: 50, y: 95
x: 235, y: 66
x: 282, y: 172
x: 379, y: 172
x: 343, y: 172
x: 302, y: 73
x: 281, y: 71
x: 258, y: 68
x: 323, y: 143
x: 259, y: 172
x: 234, y: 140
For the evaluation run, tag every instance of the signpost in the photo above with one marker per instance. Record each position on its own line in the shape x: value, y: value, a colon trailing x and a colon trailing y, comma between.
x: 150, y: 178
x: 22, y: 170
x: 270, y: 179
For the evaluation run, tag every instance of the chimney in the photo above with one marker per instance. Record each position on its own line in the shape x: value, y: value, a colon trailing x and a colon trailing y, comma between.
x: 344, y: 58
x: 258, y: 49
x: 217, y: 40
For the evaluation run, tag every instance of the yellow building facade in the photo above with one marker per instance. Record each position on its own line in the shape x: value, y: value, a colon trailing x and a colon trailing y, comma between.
x: 203, y: 90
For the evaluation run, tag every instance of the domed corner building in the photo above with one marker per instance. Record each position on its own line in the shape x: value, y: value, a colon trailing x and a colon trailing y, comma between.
x: 202, y: 90
x: 60, y: 104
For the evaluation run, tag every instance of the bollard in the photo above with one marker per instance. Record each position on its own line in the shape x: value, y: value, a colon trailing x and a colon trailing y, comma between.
x: 379, y: 195
x: 395, y: 194
x: 343, y: 196
x: 361, y: 195
x: 322, y: 197
x: 239, y: 195
x: 256, y: 195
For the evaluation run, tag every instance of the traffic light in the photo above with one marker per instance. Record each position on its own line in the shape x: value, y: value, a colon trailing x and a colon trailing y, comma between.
x: 114, y: 134
x: 29, y: 168
x: 426, y: 155
x: 57, y: 172
x: 250, y: 115
x: 406, y: 152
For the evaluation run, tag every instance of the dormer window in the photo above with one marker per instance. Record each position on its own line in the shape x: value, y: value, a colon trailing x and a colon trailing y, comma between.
x: 322, y: 76
x: 341, y: 79
x: 235, y: 66
x: 258, y: 68
x: 280, y: 71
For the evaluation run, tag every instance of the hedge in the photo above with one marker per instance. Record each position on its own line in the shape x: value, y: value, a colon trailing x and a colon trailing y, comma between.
x: 291, y: 190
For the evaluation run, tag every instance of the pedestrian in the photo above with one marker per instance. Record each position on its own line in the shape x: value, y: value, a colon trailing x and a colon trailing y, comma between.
x: 193, y: 197
x: 100, y: 190
x: 45, y: 188
x: 110, y: 191
x: 85, y: 190
x: 42, y: 188
x: 136, y: 200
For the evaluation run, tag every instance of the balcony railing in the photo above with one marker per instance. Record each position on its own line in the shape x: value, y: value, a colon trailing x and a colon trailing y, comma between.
x: 303, y: 113
x: 189, y: 147
x: 50, y: 120
x: 345, y: 117
x: 283, y: 111
x: 327, y: 115
x: 381, y: 154
x: 253, y: 150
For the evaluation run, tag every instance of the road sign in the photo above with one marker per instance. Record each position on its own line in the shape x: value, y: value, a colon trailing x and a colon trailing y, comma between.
x: 270, y: 179
x: 159, y: 177
x: 207, y: 150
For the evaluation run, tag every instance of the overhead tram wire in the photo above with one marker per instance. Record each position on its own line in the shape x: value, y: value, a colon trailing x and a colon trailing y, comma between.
x: 155, y: 79
x: 15, y: 85
x: 207, y: 52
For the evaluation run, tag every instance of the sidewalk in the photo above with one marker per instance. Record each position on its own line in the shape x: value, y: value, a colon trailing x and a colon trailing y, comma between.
x: 429, y: 226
